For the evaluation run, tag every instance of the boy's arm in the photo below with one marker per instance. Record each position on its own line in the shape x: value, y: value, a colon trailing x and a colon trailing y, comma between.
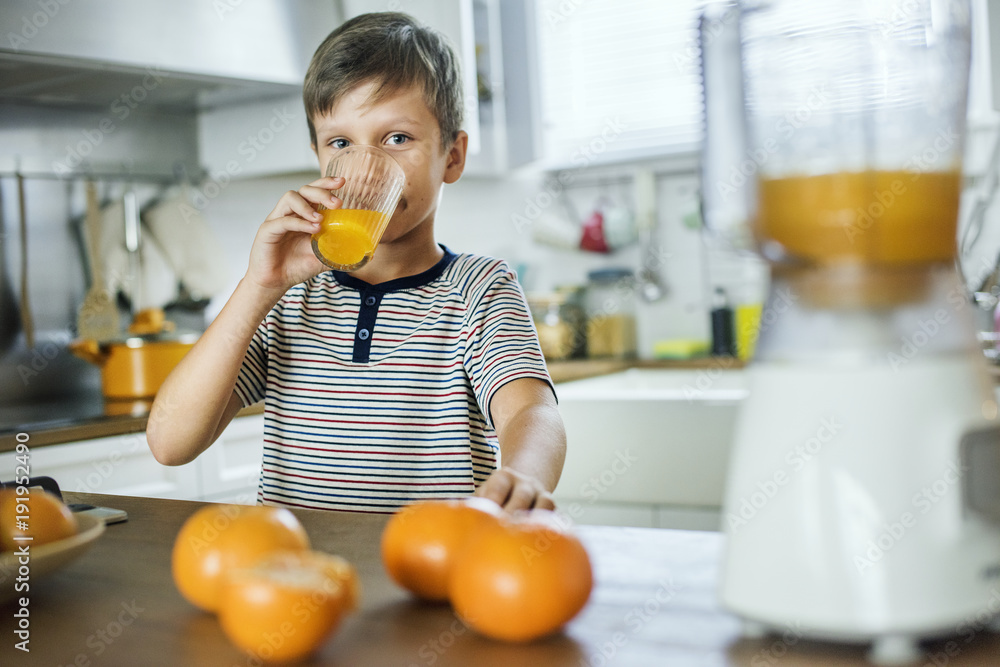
x: 196, y: 402
x: 532, y: 446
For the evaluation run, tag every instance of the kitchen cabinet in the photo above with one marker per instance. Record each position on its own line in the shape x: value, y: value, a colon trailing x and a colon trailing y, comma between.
x: 120, y: 465
x: 509, y: 119
x: 123, y: 465
x: 649, y: 447
x: 230, y: 469
x: 590, y: 512
x: 495, y: 42
x: 183, y: 54
x: 261, y: 138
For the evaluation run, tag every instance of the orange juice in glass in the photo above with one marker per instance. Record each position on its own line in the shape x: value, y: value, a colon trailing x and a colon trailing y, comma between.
x: 373, y: 184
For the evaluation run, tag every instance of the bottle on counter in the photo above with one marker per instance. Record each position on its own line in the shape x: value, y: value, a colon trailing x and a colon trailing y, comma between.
x: 723, y: 333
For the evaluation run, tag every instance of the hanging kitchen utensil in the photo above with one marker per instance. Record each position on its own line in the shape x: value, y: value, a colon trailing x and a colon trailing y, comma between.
x: 9, y: 315
x: 592, y: 238
x: 27, y: 322
x: 98, y: 315
x: 190, y: 247
x: 650, y: 287
x: 132, y: 241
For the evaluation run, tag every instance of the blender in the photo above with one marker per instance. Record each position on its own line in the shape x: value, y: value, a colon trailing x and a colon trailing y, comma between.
x: 863, y: 496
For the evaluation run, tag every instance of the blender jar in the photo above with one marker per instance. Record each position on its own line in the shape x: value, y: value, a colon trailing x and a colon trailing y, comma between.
x: 855, y: 121
x: 833, y: 148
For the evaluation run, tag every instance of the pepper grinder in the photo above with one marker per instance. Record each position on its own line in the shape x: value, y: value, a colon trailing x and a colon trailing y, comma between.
x: 723, y: 340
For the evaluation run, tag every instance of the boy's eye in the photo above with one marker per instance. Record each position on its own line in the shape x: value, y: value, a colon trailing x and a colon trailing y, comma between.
x: 339, y: 143
x: 398, y: 139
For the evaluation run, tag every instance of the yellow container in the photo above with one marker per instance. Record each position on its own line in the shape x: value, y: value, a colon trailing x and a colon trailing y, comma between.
x: 747, y: 329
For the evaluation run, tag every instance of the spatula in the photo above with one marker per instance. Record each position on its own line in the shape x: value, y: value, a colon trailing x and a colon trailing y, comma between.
x: 98, y: 315
x: 27, y: 322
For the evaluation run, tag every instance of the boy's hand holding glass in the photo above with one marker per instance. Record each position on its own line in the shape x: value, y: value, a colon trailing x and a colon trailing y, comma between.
x: 281, y: 255
x: 349, y: 234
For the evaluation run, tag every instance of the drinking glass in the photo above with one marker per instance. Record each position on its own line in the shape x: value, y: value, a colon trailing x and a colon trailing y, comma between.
x: 373, y: 184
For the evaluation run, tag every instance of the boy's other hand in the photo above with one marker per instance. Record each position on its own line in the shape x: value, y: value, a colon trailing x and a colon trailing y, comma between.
x: 513, y: 490
x: 282, y: 253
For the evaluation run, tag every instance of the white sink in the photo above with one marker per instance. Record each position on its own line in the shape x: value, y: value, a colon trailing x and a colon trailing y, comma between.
x: 649, y: 437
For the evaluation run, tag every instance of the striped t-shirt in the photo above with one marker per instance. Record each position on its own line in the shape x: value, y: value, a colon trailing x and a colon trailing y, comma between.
x: 377, y: 396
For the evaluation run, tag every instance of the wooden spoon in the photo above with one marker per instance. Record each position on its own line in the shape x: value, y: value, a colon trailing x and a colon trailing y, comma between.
x: 98, y: 315
x: 27, y: 322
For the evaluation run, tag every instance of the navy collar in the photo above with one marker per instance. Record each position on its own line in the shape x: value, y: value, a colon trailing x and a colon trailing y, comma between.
x: 406, y: 282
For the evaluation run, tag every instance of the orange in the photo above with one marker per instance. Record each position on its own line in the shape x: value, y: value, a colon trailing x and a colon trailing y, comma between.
x: 47, y: 519
x: 218, y: 539
x: 521, y: 579
x: 420, y: 541
x: 285, y: 606
x: 345, y: 235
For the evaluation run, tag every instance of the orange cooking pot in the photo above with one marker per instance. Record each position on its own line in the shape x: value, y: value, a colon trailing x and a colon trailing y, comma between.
x: 136, y: 366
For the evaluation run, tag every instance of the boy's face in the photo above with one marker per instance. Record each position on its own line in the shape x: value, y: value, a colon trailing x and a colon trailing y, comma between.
x: 402, y: 125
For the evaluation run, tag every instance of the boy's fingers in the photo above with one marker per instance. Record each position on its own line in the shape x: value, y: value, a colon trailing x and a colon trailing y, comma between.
x: 293, y: 202
x: 329, y: 182
x: 306, y: 211
x: 514, y: 491
x: 319, y: 196
x: 302, y: 201
x: 522, y: 497
x: 544, y: 501
x: 290, y: 223
x: 497, y: 487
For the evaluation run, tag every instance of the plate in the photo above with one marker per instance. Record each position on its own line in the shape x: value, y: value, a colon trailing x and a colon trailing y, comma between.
x: 48, y: 558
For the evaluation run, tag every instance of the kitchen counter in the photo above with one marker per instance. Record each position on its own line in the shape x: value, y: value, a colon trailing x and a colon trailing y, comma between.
x: 86, y: 416
x: 654, y: 603
x: 78, y: 417
x: 567, y: 371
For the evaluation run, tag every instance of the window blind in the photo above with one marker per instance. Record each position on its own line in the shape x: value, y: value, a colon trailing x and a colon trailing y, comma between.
x: 619, y: 79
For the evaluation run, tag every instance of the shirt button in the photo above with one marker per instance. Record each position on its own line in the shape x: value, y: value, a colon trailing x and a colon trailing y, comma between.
x: 363, y: 334
x: 370, y: 301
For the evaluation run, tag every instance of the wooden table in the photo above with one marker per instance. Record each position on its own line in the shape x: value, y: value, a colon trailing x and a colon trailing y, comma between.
x: 654, y: 604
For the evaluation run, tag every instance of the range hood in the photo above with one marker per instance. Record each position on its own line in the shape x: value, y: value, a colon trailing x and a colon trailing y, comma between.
x: 199, y: 54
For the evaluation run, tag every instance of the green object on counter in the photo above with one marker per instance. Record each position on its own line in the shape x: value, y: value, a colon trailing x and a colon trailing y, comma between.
x: 692, y: 220
x: 680, y: 348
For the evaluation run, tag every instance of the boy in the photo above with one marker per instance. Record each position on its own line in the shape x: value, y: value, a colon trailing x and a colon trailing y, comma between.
x: 396, y: 382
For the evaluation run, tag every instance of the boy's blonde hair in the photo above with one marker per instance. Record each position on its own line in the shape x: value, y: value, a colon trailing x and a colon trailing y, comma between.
x: 395, y: 52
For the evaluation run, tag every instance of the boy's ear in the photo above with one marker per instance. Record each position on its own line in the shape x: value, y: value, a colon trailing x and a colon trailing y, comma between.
x: 455, y: 164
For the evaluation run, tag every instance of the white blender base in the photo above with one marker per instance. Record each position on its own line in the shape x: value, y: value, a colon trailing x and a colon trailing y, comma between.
x: 844, y: 512
x: 885, y: 650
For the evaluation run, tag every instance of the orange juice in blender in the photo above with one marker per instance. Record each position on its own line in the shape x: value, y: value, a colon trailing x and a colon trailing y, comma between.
x: 867, y: 217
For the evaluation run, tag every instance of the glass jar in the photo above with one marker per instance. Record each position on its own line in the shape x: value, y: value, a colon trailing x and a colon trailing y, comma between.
x: 559, y: 321
x: 610, y: 305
